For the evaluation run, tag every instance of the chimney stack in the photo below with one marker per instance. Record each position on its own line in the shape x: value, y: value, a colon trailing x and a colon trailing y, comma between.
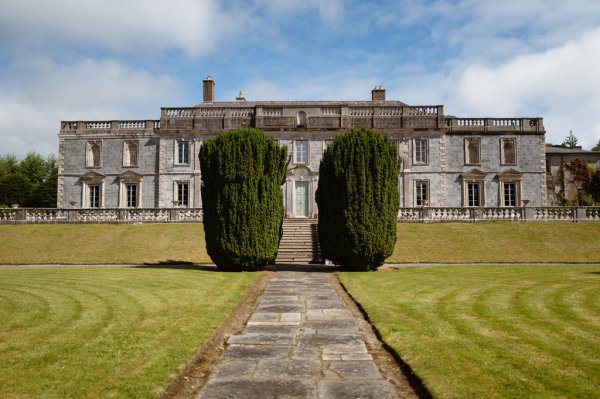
x: 208, y: 90
x: 378, y: 94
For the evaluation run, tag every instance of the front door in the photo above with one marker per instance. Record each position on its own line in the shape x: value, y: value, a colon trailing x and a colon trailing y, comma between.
x: 301, y: 199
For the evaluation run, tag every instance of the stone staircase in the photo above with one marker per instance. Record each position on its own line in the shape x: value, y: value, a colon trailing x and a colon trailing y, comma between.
x: 299, y: 242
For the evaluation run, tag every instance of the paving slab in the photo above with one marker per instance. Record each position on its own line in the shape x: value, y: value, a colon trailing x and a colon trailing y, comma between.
x: 300, y: 342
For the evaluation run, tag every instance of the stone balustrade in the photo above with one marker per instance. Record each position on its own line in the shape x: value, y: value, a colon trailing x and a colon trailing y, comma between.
x: 100, y: 215
x: 522, y: 214
x: 494, y: 124
x: 116, y: 127
x: 184, y: 215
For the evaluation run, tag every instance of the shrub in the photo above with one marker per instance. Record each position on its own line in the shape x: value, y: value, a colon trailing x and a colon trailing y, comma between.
x: 242, y: 174
x: 358, y: 199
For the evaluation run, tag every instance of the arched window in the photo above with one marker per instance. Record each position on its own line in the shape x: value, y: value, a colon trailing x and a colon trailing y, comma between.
x: 130, y: 153
x: 509, y: 152
x: 472, y: 151
x: 93, y: 155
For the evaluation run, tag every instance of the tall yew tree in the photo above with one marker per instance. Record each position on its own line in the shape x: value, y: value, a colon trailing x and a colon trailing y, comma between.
x: 358, y: 199
x: 242, y: 174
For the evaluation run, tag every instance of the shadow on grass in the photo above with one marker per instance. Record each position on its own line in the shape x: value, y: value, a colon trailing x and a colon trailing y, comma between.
x: 598, y: 273
x: 178, y: 264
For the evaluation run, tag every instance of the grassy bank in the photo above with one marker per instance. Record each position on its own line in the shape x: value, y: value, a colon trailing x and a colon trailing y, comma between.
x: 497, y: 242
x: 102, y: 243
x: 490, y: 332
x: 417, y: 242
x: 106, y: 332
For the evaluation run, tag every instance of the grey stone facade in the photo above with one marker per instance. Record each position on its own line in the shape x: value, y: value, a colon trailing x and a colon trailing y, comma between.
x: 97, y: 168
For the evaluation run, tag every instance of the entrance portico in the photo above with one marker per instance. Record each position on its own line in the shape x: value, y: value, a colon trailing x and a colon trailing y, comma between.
x: 299, y: 193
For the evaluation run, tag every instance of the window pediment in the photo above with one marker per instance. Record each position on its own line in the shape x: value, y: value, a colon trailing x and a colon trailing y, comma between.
x: 130, y: 177
x: 92, y: 177
x: 510, y: 174
x: 474, y: 174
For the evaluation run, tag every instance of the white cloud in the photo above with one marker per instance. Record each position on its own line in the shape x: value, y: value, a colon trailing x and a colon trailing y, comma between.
x: 561, y: 84
x: 194, y: 26
x: 30, y: 114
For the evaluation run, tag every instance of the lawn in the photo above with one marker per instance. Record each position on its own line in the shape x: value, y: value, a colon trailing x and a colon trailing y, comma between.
x: 106, y: 332
x: 490, y: 331
x: 497, y: 242
x: 102, y: 243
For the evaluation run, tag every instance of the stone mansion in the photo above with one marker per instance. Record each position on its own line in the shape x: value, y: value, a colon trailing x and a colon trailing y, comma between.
x: 447, y: 161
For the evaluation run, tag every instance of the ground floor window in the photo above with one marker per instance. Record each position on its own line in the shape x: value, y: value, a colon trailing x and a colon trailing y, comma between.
x: 421, y: 193
x: 473, y: 194
x: 183, y: 194
x: 131, y: 192
x: 94, y: 196
x: 510, y: 194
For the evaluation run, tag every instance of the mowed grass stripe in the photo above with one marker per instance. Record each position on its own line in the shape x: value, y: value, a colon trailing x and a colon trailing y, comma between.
x: 493, y: 332
x: 106, y: 332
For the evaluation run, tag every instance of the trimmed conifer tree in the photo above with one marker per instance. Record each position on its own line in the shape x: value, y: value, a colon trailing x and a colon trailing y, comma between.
x: 242, y: 200
x: 358, y: 199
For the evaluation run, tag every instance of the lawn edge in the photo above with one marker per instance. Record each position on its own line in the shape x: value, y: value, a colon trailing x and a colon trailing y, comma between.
x: 196, y: 373
x: 407, y: 383
x: 404, y: 375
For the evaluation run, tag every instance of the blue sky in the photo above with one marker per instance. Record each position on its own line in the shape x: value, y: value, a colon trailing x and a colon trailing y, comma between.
x: 124, y: 59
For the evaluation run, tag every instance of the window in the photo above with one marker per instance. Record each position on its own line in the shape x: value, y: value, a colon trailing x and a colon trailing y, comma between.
x: 421, y: 154
x: 510, y: 188
x: 421, y: 193
x: 326, y: 144
x: 131, y: 192
x: 93, y: 154
x: 301, y: 151
x: 510, y: 194
x: 508, y: 151
x: 183, y: 194
x: 182, y: 157
x: 472, y: 147
x: 130, y: 153
x: 473, y: 194
x: 94, y: 196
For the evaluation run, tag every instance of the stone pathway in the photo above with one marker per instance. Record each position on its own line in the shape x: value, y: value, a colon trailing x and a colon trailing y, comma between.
x: 301, y: 342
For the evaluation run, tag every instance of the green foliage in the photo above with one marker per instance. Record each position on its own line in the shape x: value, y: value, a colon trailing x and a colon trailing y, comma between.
x: 242, y: 174
x: 570, y: 140
x: 14, y: 189
x: 592, y: 186
x: 9, y: 164
x: 596, y: 147
x: 40, y: 174
x: 358, y: 199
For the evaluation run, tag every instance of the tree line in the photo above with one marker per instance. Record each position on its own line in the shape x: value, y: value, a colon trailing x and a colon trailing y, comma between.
x: 29, y: 182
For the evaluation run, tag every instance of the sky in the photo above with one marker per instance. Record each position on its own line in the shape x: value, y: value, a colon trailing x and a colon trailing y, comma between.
x: 124, y: 59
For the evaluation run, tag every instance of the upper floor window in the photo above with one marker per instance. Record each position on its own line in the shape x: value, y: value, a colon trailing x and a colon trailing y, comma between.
x: 182, y: 155
x: 326, y: 144
x: 508, y: 151
x: 301, y: 151
x: 130, y: 153
x: 472, y: 151
x: 421, y: 154
x: 93, y: 154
